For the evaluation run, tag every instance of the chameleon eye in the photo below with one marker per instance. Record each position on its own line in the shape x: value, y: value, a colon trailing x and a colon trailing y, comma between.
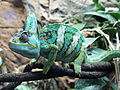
x: 24, y: 38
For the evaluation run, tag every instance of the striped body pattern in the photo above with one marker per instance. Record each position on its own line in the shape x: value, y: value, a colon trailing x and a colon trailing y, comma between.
x: 60, y: 43
x: 66, y: 39
x: 56, y: 42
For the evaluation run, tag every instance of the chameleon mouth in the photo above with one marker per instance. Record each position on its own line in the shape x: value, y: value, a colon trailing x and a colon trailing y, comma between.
x: 22, y: 44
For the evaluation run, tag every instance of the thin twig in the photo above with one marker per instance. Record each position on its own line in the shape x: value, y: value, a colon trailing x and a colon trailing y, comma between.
x: 98, y: 29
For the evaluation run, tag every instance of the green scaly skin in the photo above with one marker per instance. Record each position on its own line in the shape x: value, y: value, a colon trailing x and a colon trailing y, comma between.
x: 56, y: 42
x: 1, y: 61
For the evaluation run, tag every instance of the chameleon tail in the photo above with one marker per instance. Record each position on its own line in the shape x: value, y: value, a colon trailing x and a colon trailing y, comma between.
x: 106, y: 56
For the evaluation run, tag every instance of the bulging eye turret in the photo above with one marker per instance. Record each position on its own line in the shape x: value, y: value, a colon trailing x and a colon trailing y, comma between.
x: 24, y: 38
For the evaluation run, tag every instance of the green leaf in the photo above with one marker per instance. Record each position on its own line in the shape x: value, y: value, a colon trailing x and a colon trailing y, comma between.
x: 96, y: 2
x: 90, y: 84
x: 111, y: 83
x: 103, y: 15
x: 89, y: 41
x: 71, y: 19
x: 117, y: 3
x: 71, y: 89
x: 22, y: 87
x: 98, y: 5
x: 111, y: 30
x: 95, y: 84
x: 115, y: 14
x: 79, y: 26
x: 90, y: 8
x: 114, y: 85
x: 95, y: 52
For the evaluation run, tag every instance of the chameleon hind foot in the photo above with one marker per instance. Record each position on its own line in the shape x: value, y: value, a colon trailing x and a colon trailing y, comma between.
x: 77, y: 67
x: 78, y: 61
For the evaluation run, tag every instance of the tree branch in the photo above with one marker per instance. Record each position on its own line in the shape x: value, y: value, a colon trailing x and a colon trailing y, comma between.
x: 89, y: 71
x: 57, y: 71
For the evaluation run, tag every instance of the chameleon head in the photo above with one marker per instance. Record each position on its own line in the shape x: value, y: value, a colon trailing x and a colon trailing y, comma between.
x: 26, y: 42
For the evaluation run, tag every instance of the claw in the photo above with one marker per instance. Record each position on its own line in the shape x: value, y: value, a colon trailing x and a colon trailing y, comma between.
x: 32, y: 62
x: 66, y: 65
x: 45, y: 70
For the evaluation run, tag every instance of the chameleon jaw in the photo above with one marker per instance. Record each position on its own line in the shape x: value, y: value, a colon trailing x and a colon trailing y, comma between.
x: 24, y: 44
x: 24, y: 49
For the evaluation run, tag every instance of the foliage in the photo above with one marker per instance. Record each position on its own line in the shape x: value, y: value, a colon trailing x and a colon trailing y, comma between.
x: 79, y: 26
x: 106, y: 24
x: 94, y: 84
x: 22, y: 87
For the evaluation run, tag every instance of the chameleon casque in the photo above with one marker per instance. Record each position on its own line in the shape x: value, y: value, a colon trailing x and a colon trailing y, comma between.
x: 56, y: 42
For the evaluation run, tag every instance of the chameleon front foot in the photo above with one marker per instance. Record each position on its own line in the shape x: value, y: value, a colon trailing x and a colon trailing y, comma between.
x: 32, y: 62
x: 66, y: 65
x: 47, y: 66
x: 45, y: 71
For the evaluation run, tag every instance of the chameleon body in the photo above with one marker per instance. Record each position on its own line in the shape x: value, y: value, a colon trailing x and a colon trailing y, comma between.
x: 56, y: 42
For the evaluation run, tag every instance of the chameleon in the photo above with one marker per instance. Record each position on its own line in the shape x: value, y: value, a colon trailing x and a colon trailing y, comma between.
x: 1, y: 61
x: 56, y: 42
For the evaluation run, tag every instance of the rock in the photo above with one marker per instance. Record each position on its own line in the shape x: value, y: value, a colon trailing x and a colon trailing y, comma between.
x: 11, y: 18
x: 57, y: 10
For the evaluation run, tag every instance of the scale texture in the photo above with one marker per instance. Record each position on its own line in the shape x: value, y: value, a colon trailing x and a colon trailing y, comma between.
x: 56, y: 42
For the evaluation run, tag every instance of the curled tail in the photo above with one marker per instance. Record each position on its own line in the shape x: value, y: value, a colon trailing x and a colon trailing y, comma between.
x: 106, y: 56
